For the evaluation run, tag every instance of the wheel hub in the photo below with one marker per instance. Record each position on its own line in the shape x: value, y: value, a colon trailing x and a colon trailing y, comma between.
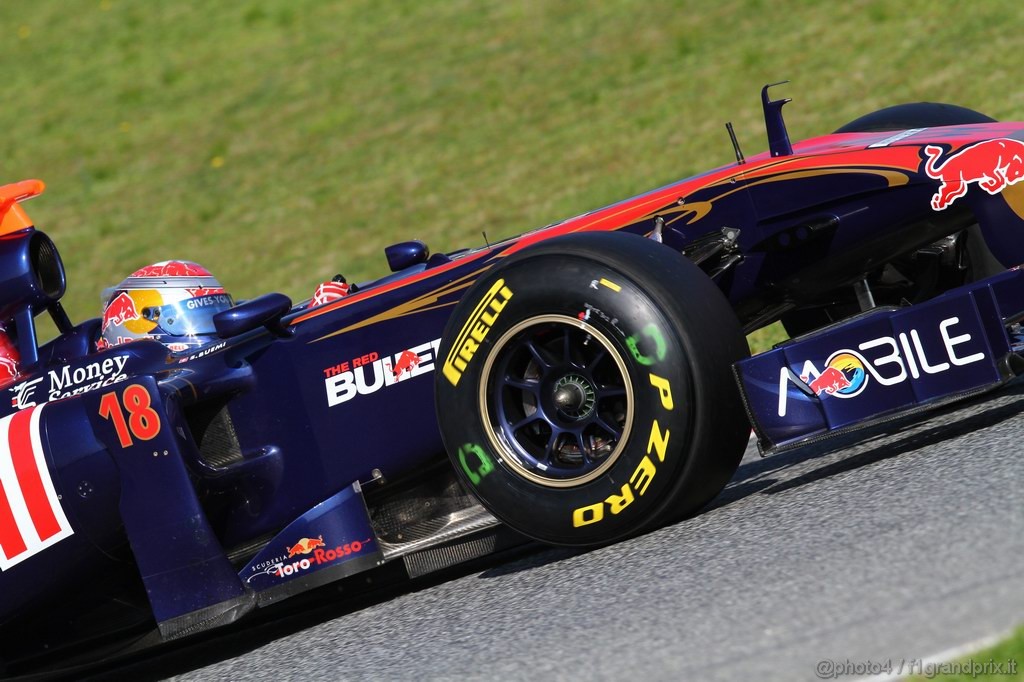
x: 574, y: 397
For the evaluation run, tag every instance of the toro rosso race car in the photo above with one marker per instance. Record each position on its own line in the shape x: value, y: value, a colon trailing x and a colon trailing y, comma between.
x: 578, y: 384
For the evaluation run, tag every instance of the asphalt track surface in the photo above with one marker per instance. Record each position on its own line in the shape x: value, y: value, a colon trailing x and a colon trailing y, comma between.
x: 898, y: 546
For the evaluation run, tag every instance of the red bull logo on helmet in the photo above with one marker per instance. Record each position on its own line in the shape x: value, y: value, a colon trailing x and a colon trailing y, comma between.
x: 993, y: 164
x: 172, y: 268
x: 121, y: 310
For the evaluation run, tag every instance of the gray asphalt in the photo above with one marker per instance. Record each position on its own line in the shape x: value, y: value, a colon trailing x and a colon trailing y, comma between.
x: 897, y: 547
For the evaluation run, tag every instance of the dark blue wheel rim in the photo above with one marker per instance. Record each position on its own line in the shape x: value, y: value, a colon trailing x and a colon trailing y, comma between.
x: 557, y: 400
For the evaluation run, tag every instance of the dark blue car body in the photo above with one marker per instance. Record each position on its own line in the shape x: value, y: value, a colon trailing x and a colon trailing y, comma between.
x: 230, y: 477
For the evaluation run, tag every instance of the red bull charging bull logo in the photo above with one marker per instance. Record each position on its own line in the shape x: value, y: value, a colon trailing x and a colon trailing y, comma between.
x: 844, y: 376
x: 406, y: 362
x: 993, y: 164
x: 308, y: 553
x: 121, y: 310
x: 371, y: 372
x: 305, y: 546
x: 888, y: 360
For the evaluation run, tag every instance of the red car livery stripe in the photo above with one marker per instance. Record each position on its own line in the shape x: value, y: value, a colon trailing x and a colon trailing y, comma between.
x: 31, y: 516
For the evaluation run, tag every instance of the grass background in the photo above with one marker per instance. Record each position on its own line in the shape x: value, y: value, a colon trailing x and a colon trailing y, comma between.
x: 279, y: 142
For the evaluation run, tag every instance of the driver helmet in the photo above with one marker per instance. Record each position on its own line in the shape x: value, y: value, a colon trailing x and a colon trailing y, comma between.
x: 171, y: 301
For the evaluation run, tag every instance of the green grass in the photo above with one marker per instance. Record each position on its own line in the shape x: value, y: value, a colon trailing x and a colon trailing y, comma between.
x: 1009, y: 654
x: 282, y: 141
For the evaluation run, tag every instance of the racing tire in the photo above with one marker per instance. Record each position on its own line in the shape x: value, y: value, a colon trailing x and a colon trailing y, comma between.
x: 915, y: 115
x: 586, y: 392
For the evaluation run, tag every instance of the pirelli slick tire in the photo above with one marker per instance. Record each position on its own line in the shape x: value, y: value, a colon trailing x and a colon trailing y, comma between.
x: 586, y: 391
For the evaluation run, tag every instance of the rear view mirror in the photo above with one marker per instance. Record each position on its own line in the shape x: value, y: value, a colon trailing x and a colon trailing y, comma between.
x: 263, y: 311
x: 406, y: 254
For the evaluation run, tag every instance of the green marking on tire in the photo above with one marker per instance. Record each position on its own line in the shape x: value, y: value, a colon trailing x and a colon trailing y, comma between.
x: 637, y: 355
x: 486, y: 463
x: 660, y: 347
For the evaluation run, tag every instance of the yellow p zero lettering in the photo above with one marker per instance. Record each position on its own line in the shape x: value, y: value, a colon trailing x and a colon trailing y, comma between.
x: 620, y: 502
x: 658, y: 442
x: 642, y: 475
x: 584, y: 516
x: 666, y: 390
x: 472, y: 334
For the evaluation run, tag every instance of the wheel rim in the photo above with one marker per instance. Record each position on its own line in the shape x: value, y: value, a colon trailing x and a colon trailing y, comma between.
x: 557, y: 402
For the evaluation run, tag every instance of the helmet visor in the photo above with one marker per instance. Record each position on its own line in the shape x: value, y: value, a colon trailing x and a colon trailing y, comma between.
x: 190, y: 317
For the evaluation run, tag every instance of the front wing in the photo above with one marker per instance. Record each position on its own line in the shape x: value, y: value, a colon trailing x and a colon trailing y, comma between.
x: 885, y: 363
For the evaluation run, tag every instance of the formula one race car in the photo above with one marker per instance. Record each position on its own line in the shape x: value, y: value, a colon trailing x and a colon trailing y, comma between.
x: 577, y: 384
